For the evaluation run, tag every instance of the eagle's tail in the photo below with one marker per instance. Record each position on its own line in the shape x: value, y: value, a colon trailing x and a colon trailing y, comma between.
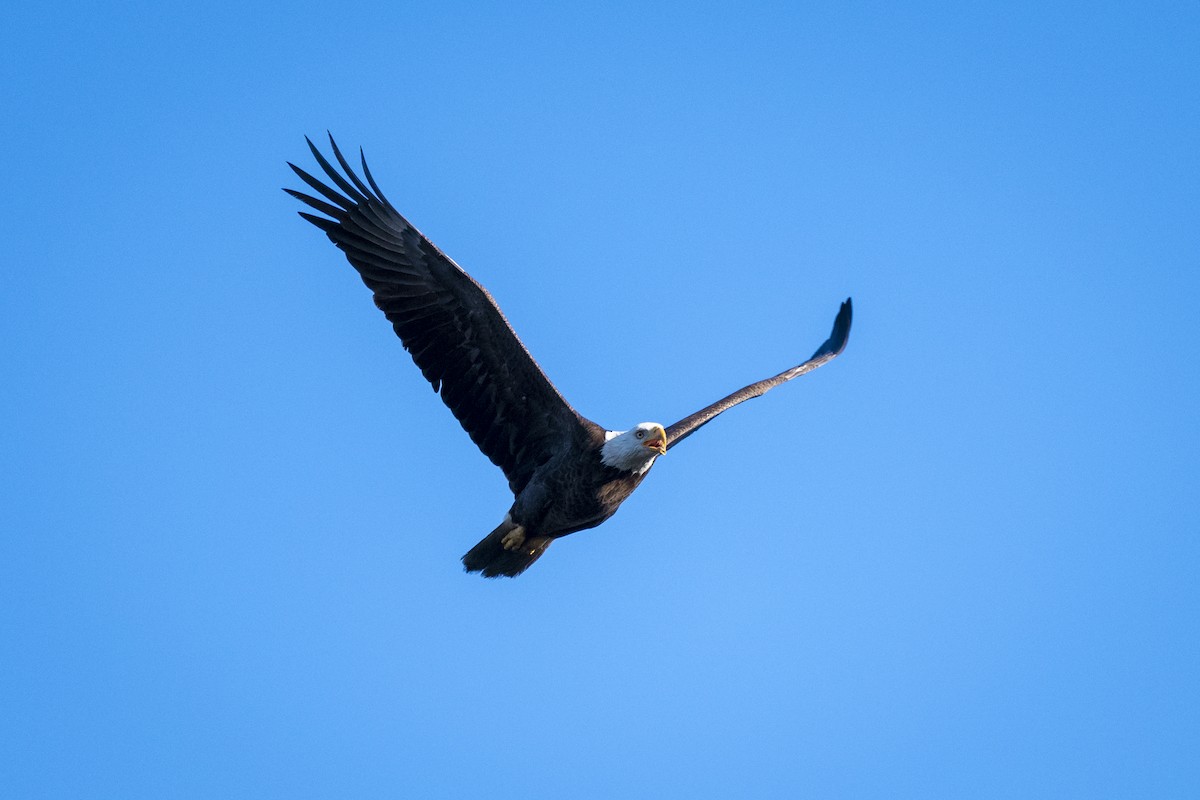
x: 505, y: 551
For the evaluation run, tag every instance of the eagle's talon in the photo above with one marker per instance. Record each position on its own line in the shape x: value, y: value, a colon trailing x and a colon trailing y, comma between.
x: 513, y: 539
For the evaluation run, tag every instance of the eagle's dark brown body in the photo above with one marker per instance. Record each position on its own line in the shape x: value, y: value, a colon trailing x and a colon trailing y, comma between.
x: 560, y: 466
x: 569, y: 495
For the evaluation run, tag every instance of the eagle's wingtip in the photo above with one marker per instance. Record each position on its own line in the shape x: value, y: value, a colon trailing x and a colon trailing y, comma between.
x: 841, y: 325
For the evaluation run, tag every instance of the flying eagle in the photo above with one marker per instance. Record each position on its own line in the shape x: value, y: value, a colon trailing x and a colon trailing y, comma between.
x: 566, y: 472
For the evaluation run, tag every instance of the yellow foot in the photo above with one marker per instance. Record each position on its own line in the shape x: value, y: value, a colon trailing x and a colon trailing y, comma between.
x: 513, y: 539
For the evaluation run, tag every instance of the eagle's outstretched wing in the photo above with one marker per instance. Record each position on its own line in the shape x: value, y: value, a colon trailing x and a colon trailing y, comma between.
x: 450, y: 325
x: 826, y: 352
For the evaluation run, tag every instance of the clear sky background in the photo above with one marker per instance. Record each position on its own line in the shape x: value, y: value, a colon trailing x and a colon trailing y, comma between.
x: 959, y: 561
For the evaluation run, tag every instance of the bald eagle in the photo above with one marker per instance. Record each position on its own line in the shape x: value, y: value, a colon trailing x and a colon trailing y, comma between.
x: 566, y: 472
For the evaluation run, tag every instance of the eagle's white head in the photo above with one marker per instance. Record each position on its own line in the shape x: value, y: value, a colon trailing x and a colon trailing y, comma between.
x: 634, y: 450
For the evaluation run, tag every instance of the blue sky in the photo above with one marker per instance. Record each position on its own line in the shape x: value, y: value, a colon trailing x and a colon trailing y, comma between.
x: 959, y: 561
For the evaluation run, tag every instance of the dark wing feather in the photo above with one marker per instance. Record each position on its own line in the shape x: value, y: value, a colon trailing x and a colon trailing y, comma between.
x: 825, y: 353
x: 450, y: 325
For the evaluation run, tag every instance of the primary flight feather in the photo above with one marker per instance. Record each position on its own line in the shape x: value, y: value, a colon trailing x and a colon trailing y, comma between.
x: 566, y: 472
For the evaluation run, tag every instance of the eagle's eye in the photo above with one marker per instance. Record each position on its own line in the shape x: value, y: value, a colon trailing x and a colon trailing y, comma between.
x: 641, y: 434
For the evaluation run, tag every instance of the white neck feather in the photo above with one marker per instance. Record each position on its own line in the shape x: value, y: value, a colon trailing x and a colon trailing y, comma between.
x: 622, y: 451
